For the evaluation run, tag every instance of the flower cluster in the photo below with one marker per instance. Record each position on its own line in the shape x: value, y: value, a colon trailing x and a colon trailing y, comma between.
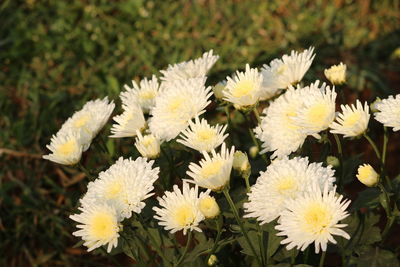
x: 302, y: 199
x: 77, y: 133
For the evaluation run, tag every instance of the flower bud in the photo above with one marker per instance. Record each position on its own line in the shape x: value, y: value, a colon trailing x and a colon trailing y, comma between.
x: 148, y: 145
x: 367, y: 175
x: 253, y: 151
x: 333, y: 161
x: 240, y: 162
x: 372, y: 106
x: 336, y: 74
x: 212, y: 260
x: 218, y: 90
x: 209, y: 207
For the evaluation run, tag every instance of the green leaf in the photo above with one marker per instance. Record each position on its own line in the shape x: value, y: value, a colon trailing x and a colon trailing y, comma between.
x: 368, y: 198
x: 253, y: 236
x: 374, y: 257
x: 362, y: 231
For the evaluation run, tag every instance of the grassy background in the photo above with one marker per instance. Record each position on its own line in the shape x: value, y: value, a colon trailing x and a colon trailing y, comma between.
x: 55, y: 55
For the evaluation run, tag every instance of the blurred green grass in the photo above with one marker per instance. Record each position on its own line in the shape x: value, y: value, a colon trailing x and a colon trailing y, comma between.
x: 55, y: 55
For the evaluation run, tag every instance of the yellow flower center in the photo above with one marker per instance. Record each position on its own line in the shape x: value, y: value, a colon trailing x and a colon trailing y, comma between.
x: 113, y: 190
x: 205, y: 134
x: 317, y: 114
x: 67, y: 148
x: 102, y: 226
x: 286, y: 185
x: 211, y: 168
x: 147, y: 95
x: 316, y: 218
x: 351, y: 119
x: 184, y: 215
x: 147, y: 141
x: 243, y: 88
x: 82, y: 120
x: 282, y: 69
x: 176, y: 104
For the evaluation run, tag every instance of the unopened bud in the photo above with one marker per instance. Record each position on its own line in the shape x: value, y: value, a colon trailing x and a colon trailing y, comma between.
x: 373, y: 105
x: 367, y: 175
x: 336, y: 74
x: 209, y: 207
x: 212, y: 260
x: 333, y: 161
x: 253, y: 151
x: 218, y: 90
x: 240, y: 161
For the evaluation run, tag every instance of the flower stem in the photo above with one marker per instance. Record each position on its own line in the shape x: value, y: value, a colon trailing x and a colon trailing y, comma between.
x: 383, y: 158
x: 219, y: 232
x: 189, y: 239
x: 257, y: 115
x: 85, y: 171
x: 372, y: 143
x: 322, y: 259
x: 236, y: 214
x: 340, y: 152
x: 389, y: 215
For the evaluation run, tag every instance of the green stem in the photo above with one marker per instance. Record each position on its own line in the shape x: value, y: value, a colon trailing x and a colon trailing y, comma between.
x: 228, y: 116
x: 322, y: 259
x: 384, y: 148
x: 340, y: 152
x: 385, y: 193
x: 262, y: 248
x: 186, y: 249
x: 257, y: 115
x: 372, y: 143
x: 236, y: 214
x: 219, y: 232
x: 85, y: 171
x: 387, y: 227
x: 383, y: 158
x: 389, y: 215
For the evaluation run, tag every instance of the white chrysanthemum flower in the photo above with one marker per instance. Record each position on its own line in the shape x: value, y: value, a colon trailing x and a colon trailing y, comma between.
x: 148, y: 145
x: 201, y: 136
x: 177, y: 105
x: 389, y: 112
x: 144, y: 93
x: 244, y: 88
x: 197, y: 68
x: 288, y: 70
x: 318, y: 109
x: 313, y: 218
x: 180, y: 209
x: 353, y: 121
x: 89, y: 120
x: 65, y: 147
x: 99, y: 225
x: 336, y: 74
x: 129, y: 122
x: 284, y: 179
x: 367, y: 175
x: 124, y: 185
x: 213, y: 172
x: 278, y: 131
